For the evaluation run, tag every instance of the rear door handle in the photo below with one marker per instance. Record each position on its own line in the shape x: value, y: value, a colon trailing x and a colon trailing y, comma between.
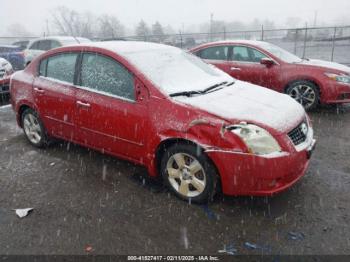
x: 235, y: 69
x: 82, y: 104
x: 39, y: 90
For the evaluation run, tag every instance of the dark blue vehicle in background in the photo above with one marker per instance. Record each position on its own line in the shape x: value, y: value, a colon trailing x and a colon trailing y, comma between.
x: 14, y: 55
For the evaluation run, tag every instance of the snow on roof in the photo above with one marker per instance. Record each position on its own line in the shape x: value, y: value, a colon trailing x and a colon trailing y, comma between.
x: 235, y: 41
x: 127, y: 47
x: 62, y: 39
x: 170, y: 68
x: 9, y: 46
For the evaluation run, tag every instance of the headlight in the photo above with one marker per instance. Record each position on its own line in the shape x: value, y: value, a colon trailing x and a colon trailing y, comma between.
x: 258, y: 140
x: 339, y: 78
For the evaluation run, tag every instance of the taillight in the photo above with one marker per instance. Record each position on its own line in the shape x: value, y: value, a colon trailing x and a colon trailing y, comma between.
x: 9, y: 72
x: 21, y: 54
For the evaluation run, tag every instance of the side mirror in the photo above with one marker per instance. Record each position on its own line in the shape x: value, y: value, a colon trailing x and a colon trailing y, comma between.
x: 268, y: 62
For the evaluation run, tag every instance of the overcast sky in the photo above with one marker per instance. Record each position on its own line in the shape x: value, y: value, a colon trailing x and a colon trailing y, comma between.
x: 33, y: 13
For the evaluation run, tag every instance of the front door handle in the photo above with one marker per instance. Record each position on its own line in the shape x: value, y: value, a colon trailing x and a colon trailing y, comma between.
x: 235, y: 69
x: 82, y: 104
x: 39, y: 90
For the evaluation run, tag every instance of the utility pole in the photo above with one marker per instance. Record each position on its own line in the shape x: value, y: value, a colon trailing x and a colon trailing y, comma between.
x: 47, y: 28
x: 315, y: 18
x: 305, y: 40
x: 211, y: 26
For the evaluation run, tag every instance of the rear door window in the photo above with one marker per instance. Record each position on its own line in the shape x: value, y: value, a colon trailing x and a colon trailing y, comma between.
x: 215, y: 53
x: 35, y: 46
x: 55, y: 44
x: 45, y: 45
x: 60, y: 67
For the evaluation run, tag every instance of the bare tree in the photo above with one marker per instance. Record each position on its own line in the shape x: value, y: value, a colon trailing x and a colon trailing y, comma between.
x: 169, y: 30
x: 70, y: 22
x: 157, y: 32
x: 142, y: 30
x: 110, y: 27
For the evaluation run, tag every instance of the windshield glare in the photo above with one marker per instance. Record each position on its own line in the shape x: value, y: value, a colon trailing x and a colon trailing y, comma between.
x: 282, y: 54
x: 174, y: 70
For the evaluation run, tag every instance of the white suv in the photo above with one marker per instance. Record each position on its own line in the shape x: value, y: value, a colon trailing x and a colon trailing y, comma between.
x: 40, y: 45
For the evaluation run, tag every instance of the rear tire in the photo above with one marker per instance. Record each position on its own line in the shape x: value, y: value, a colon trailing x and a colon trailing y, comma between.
x: 189, y: 173
x: 34, y: 129
x: 305, y: 93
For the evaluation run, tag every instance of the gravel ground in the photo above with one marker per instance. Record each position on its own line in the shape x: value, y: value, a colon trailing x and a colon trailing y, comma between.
x: 85, y: 201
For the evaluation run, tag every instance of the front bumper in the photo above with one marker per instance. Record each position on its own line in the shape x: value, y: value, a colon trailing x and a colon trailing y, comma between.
x: 248, y: 174
x: 335, y: 93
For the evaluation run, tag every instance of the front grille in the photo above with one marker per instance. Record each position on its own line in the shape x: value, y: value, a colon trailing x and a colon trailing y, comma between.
x: 298, y: 135
x: 344, y: 96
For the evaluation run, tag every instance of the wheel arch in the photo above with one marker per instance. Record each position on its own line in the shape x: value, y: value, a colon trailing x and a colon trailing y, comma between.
x: 21, y: 110
x: 308, y: 79
x: 167, y: 143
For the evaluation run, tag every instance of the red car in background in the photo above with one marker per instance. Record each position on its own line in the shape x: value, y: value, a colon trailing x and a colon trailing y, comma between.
x: 310, y: 82
x: 158, y: 106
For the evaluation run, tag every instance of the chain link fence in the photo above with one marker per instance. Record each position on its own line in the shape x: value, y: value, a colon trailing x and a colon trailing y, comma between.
x: 327, y: 43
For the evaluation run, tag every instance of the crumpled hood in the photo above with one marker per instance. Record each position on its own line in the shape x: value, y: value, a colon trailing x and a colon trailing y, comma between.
x: 326, y: 64
x: 251, y: 103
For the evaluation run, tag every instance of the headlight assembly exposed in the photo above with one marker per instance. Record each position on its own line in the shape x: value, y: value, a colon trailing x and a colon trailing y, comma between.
x: 339, y: 78
x: 258, y: 140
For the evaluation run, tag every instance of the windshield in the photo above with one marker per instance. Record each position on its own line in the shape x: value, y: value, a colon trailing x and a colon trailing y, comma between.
x: 280, y: 53
x: 174, y: 70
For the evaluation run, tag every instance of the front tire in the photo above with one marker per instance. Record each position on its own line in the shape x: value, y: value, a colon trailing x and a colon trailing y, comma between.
x: 189, y: 173
x: 305, y: 93
x: 34, y: 129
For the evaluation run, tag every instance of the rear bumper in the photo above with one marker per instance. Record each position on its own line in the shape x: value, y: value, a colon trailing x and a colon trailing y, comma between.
x: 246, y: 174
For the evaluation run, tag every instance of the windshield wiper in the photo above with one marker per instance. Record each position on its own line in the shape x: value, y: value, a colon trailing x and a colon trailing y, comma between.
x: 186, y: 93
x: 212, y: 87
x: 199, y: 92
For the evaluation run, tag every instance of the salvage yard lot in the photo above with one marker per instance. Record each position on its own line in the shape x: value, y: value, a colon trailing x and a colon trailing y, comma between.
x: 82, y: 198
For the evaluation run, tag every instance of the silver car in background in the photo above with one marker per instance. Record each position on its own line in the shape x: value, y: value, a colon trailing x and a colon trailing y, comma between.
x: 40, y: 45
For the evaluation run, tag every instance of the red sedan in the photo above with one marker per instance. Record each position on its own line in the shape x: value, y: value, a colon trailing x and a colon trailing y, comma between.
x: 158, y: 106
x: 310, y: 82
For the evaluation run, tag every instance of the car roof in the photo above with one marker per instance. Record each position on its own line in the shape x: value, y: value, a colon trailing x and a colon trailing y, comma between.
x: 127, y: 47
x: 58, y: 38
x: 9, y: 46
x: 235, y: 41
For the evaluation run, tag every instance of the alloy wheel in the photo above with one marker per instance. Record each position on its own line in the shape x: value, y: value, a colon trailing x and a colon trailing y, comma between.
x: 32, y: 128
x: 186, y: 175
x: 303, y: 94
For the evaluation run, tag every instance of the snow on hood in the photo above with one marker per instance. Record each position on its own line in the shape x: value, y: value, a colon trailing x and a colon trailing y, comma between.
x: 5, y: 68
x: 247, y: 102
x: 327, y: 64
x: 4, y: 64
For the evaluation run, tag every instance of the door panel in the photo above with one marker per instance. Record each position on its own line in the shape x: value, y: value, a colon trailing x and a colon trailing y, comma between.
x: 109, y: 116
x: 55, y: 93
x: 245, y: 65
x: 111, y: 124
x: 56, y: 104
